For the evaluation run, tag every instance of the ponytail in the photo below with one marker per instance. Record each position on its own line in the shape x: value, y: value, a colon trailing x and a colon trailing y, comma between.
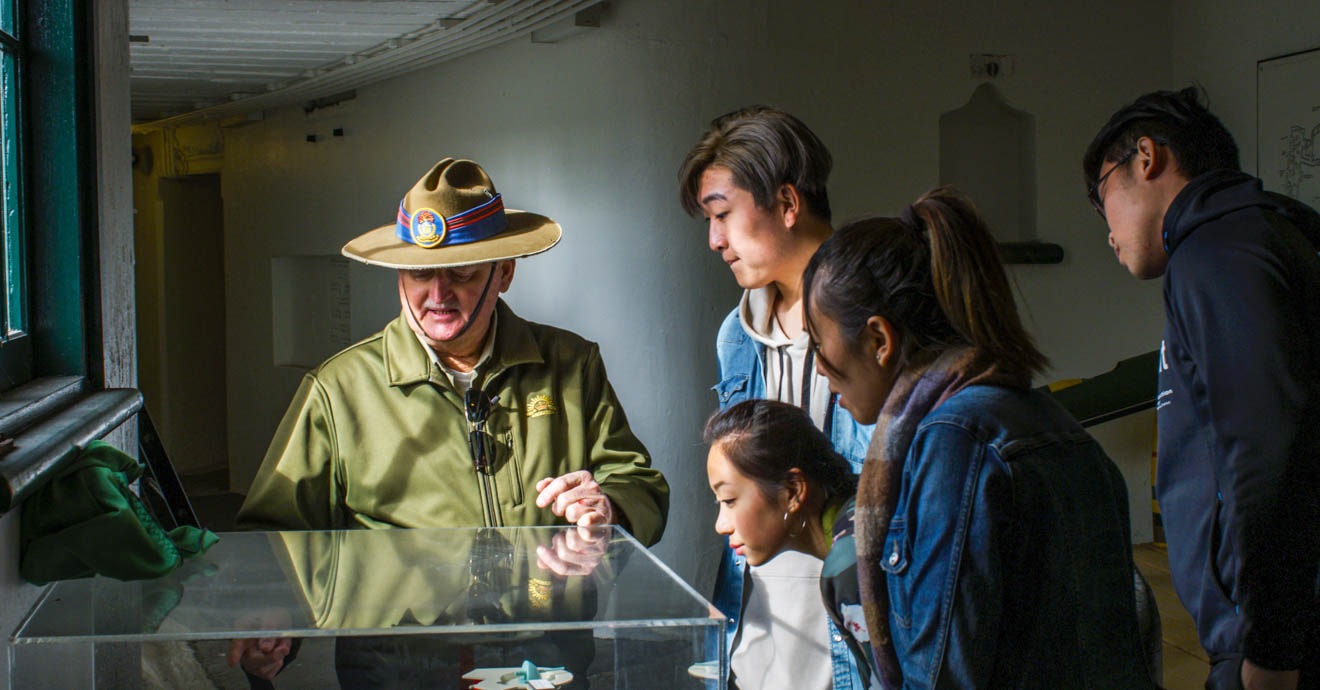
x: 970, y: 282
x: 934, y: 274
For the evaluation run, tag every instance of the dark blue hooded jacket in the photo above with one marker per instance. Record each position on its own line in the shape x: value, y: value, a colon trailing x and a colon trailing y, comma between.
x: 1239, y: 418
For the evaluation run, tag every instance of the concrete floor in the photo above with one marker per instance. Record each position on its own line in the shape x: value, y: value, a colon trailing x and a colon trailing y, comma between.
x: 212, y: 501
x: 1185, y: 662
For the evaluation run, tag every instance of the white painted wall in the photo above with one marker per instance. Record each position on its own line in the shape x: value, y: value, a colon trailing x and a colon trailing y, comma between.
x: 591, y: 132
x: 1217, y: 43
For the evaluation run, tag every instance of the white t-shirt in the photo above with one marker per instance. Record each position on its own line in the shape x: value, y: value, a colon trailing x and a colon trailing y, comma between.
x: 783, y: 641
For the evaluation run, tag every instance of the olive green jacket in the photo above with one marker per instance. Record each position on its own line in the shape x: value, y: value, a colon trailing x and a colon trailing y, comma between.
x: 376, y: 437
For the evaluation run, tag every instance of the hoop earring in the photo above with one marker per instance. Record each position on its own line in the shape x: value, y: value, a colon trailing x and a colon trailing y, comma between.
x: 802, y: 527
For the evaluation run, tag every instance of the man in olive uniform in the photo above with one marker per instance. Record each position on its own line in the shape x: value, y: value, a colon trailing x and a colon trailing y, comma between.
x: 381, y: 434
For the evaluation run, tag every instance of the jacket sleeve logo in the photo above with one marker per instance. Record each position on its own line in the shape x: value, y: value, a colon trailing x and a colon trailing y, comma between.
x: 540, y: 405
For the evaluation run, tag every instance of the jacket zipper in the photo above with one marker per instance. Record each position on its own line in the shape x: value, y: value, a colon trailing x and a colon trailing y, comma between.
x: 496, y: 516
x: 479, y: 449
x: 485, y: 478
x: 482, y: 458
x: 489, y: 508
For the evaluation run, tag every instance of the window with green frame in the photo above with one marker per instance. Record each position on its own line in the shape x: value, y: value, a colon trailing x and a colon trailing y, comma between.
x: 47, y: 158
x: 15, y: 348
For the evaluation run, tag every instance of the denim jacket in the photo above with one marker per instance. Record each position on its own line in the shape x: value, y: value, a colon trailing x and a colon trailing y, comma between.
x: 741, y: 378
x: 1008, y: 557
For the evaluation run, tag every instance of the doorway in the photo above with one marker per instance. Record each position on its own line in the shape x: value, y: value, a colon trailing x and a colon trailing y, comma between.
x: 180, y: 274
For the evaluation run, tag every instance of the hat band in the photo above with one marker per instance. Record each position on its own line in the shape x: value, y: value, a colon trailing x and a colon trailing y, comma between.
x: 427, y: 228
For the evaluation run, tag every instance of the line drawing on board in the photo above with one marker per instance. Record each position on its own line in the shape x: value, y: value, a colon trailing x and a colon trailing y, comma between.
x: 1288, y: 125
x: 1299, y: 158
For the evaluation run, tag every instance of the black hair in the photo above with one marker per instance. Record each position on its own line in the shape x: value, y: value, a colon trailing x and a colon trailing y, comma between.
x: 1199, y: 141
x: 934, y: 274
x: 764, y: 439
x: 765, y: 149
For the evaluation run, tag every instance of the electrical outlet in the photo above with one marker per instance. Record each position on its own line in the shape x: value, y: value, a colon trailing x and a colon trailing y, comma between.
x: 990, y: 66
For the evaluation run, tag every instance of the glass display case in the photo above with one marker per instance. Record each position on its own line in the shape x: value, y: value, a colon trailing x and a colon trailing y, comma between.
x: 582, y: 608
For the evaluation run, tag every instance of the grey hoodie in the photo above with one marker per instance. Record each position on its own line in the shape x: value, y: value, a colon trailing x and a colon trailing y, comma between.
x: 789, y: 366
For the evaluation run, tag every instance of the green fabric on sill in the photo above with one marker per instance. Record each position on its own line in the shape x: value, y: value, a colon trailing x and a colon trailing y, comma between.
x: 87, y: 521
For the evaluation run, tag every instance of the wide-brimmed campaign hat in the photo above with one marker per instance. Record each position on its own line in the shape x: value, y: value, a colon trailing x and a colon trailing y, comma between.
x: 454, y: 217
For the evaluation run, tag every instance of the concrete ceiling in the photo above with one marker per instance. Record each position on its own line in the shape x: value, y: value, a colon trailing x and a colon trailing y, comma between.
x: 207, y: 59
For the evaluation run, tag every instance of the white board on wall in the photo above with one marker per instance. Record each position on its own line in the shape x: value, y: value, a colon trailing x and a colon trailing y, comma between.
x: 311, y: 309
x: 1288, y: 125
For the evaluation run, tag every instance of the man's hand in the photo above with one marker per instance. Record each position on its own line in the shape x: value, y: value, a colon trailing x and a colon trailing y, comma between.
x: 575, y: 551
x: 1257, y: 678
x: 577, y: 497
x: 262, y: 657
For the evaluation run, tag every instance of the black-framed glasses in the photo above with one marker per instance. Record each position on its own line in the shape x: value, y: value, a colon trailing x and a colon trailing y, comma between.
x: 1094, y: 192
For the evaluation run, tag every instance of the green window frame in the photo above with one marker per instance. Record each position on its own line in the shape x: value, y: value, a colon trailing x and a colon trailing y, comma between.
x: 15, y: 346
x: 45, y: 126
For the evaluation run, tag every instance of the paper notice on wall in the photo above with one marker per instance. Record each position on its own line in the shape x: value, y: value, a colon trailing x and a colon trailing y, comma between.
x: 311, y: 308
x: 1288, y: 125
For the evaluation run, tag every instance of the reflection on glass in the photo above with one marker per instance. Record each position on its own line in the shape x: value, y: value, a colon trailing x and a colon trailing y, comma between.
x: 324, y: 583
x: 393, y: 608
x: 353, y: 581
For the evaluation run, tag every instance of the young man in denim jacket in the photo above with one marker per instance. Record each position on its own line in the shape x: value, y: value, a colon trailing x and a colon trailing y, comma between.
x: 758, y: 176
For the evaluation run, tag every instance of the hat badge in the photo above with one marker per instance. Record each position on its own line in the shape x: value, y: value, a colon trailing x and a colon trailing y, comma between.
x: 425, y: 222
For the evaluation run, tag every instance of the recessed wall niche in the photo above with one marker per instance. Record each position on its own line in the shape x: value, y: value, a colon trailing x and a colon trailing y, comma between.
x: 311, y: 308
x: 988, y: 150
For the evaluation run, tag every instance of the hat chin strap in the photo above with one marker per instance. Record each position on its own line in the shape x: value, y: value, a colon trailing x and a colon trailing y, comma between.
x: 416, y: 324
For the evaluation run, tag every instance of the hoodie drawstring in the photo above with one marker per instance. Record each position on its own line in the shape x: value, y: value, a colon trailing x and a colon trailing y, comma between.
x: 808, y: 364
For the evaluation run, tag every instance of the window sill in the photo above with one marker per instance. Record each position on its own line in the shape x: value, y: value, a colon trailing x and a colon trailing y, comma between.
x: 50, y: 421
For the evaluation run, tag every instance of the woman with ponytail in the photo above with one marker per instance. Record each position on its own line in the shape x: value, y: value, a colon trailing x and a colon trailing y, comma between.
x: 991, y: 532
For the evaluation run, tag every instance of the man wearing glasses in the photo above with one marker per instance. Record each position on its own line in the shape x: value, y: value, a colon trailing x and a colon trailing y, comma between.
x: 1239, y: 397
